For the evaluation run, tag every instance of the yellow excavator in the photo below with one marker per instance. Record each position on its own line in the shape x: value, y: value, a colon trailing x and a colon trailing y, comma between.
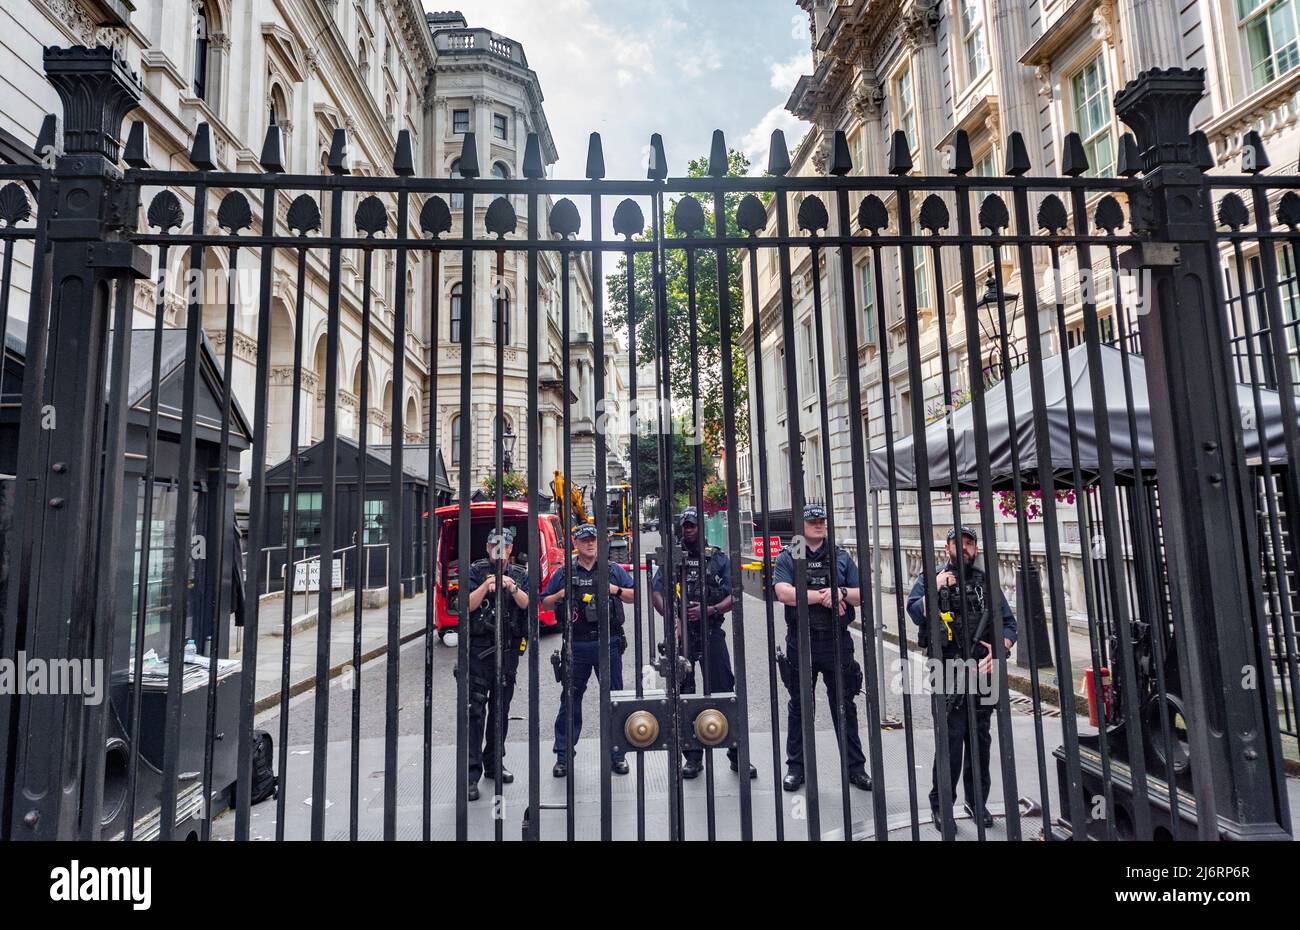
x: 572, y: 511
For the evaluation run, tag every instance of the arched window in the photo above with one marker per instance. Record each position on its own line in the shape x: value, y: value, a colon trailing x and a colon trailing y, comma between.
x: 457, y: 200
x: 455, y: 441
x: 501, y: 306
x: 201, y: 26
x: 363, y: 61
x: 454, y: 335
x: 500, y: 171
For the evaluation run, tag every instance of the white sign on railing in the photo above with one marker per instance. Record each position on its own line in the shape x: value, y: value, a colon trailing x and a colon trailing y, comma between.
x: 306, y: 576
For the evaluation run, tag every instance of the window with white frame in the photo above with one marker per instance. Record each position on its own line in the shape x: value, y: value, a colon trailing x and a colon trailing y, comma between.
x: 974, y: 52
x: 1271, y: 38
x: 807, y: 359
x: 1090, y: 98
x: 922, y: 277
x: 460, y: 122
x: 500, y: 127
x: 867, y: 300
x: 778, y: 381
x: 906, y: 99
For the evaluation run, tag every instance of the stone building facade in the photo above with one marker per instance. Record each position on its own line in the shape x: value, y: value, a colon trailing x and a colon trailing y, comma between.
x: 1044, y: 68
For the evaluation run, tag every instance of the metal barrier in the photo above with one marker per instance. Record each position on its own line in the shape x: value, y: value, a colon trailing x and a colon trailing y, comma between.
x: 1171, y: 466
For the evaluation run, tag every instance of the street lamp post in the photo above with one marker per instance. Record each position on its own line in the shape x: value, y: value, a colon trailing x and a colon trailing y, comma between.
x: 508, y: 448
x: 990, y: 325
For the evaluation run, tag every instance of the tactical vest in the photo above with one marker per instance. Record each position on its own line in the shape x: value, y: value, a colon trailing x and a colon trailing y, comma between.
x: 483, y: 622
x: 820, y: 619
x: 715, y: 587
x: 965, y: 618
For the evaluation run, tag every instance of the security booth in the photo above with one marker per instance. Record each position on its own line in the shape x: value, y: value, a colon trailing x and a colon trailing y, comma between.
x: 294, y: 558
x: 145, y: 599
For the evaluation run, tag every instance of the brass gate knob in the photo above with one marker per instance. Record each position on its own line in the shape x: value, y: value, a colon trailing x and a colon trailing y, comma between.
x: 641, y: 729
x: 711, y: 727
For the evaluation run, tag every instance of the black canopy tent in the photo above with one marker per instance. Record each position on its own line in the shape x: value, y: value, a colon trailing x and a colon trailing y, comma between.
x: 1000, y: 435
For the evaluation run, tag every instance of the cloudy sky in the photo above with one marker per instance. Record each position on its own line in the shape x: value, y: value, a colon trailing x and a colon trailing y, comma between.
x: 629, y: 68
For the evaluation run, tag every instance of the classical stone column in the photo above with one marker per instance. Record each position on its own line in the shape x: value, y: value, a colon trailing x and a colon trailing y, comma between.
x: 1149, y: 35
x: 1008, y: 36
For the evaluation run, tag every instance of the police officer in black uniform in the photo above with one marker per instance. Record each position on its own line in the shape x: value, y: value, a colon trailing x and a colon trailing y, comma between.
x: 705, y: 571
x: 584, y: 634
x: 483, y: 621
x: 823, y: 631
x: 962, y: 619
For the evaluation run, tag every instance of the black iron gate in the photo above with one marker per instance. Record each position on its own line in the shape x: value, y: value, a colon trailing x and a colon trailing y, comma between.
x: 1125, y: 426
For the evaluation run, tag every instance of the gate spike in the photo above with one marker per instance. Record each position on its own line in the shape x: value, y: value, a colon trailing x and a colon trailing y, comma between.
x: 841, y: 157
x: 718, y: 156
x: 1074, y: 159
x: 136, y: 153
x: 47, y: 140
x: 778, y: 156
x: 469, y: 156
x: 1257, y: 159
x: 658, y: 169
x: 963, y: 162
x: 1017, y: 155
x: 201, y: 150
x: 340, y: 157
x: 900, y: 154
x: 533, y: 167
x: 1130, y: 158
x: 595, y: 158
x: 403, y: 160
x: 272, y: 161
x: 1202, y: 156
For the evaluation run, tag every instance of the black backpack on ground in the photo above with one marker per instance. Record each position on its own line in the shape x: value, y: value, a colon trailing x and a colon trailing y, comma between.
x: 265, y: 783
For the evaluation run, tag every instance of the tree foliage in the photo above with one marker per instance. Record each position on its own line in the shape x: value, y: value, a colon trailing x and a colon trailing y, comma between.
x: 709, y: 356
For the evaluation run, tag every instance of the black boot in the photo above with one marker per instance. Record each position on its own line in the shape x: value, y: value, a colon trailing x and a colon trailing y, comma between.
x: 561, y: 769
x: 793, y: 781
x: 690, y: 769
x: 507, y: 776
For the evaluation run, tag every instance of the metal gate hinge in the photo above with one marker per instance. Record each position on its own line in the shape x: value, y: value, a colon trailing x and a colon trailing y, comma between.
x: 126, y: 257
x: 1151, y: 255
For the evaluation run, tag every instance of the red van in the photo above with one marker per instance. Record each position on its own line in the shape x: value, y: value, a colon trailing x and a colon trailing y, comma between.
x: 514, y: 515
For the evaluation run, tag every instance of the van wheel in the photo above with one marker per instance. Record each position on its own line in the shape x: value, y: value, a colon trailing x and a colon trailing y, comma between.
x: 449, y: 638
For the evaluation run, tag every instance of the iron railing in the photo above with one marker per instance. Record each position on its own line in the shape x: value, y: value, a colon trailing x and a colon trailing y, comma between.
x: 1186, y: 497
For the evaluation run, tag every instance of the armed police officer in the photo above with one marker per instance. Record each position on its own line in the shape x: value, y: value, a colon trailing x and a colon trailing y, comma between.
x: 584, y: 635
x: 705, y: 591
x: 824, y: 629
x: 963, y: 618
x: 485, y: 614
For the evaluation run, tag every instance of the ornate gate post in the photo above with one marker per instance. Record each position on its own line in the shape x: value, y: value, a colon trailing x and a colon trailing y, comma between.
x: 1224, y: 682
x: 58, y: 507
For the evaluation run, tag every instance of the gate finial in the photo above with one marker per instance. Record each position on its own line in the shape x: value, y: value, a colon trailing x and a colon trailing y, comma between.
x: 718, y: 156
x: 136, y: 153
x: 595, y: 158
x: 658, y: 169
x: 1158, y: 106
x: 963, y: 162
x: 1017, y: 155
x: 1130, y: 159
x: 900, y: 154
x: 201, y: 149
x: 533, y: 167
x: 340, y: 157
x: 469, y: 157
x: 778, y: 156
x: 403, y: 160
x: 272, y: 161
x: 841, y: 157
x: 1074, y: 160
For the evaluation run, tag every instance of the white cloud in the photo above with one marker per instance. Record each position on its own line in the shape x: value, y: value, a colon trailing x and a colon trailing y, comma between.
x: 785, y: 74
x: 756, y: 142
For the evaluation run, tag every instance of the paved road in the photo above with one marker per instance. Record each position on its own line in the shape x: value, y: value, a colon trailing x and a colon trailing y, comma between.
x: 410, y: 730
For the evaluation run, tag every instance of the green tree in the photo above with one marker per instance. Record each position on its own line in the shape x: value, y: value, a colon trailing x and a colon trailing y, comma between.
x: 706, y: 301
